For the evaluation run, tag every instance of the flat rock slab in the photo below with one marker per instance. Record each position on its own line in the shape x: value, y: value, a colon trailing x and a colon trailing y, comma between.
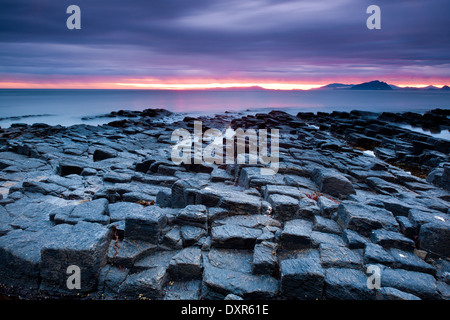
x: 222, y: 282
x: 333, y: 256
x: 125, y: 253
x: 231, y: 259
x: 390, y: 239
x: 241, y: 204
x: 419, y: 284
x: 364, y: 218
x: 234, y: 236
x: 91, y: 211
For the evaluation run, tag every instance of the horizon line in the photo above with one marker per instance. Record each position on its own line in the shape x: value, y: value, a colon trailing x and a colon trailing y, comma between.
x: 274, y: 86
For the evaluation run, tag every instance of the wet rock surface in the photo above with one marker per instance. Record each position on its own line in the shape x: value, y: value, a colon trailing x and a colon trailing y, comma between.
x: 110, y: 201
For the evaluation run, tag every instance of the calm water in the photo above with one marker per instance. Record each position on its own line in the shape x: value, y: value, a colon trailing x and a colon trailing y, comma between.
x: 67, y: 107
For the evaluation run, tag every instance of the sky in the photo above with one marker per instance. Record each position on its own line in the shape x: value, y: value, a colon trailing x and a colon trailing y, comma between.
x: 195, y: 44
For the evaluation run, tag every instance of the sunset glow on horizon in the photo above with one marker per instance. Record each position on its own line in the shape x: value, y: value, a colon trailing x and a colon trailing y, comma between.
x: 187, y: 85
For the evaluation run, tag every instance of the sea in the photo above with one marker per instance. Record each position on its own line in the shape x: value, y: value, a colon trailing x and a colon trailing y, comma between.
x: 69, y: 107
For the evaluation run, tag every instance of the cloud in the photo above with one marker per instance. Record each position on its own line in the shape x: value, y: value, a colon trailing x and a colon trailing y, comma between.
x: 282, y: 39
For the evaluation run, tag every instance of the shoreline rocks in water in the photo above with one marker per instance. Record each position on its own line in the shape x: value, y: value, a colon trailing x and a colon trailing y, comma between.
x: 109, y: 200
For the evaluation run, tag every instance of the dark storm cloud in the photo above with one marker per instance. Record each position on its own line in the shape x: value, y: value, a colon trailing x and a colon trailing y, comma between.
x: 257, y: 38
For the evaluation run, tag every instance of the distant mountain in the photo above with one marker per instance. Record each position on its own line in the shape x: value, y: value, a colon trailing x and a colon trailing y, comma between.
x: 445, y: 88
x: 372, y: 85
x: 335, y: 86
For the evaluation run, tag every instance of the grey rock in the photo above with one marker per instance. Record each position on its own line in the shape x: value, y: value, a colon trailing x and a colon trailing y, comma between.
x: 327, y: 206
x: 318, y: 238
x: 103, y: 154
x: 191, y: 234
x: 444, y: 290
x: 115, y: 177
x: 301, y: 279
x: 186, y: 265
x: 308, y: 209
x: 232, y: 297
x: 125, y: 253
x: 374, y: 254
x: 363, y: 218
x: 409, y: 261
x: 221, y: 282
x: 120, y: 210
x: 146, y: 225
x: 435, y: 237
x: 332, y: 182
x: 84, y: 245
x: 241, y: 204
x: 265, y: 258
x: 346, y: 284
x: 164, y: 198
x: 419, y: 284
x: 406, y: 227
x: 138, y: 197
x: 231, y: 259
x: 234, y: 236
x: 154, y: 260
x: 91, y: 211
x: 326, y: 225
x: 296, y: 234
x: 172, y: 238
x: 110, y: 280
x: 148, y: 284
x: 282, y: 190
x: 183, y: 290
x: 194, y: 215
x: 390, y: 239
x: 388, y: 293
x: 333, y: 256
x: 354, y: 240
x: 284, y: 207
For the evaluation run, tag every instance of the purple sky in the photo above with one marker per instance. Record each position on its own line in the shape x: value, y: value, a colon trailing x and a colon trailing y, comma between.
x: 242, y: 41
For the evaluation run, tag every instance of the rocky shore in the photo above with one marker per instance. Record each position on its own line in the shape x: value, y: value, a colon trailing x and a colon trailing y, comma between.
x: 353, y: 191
